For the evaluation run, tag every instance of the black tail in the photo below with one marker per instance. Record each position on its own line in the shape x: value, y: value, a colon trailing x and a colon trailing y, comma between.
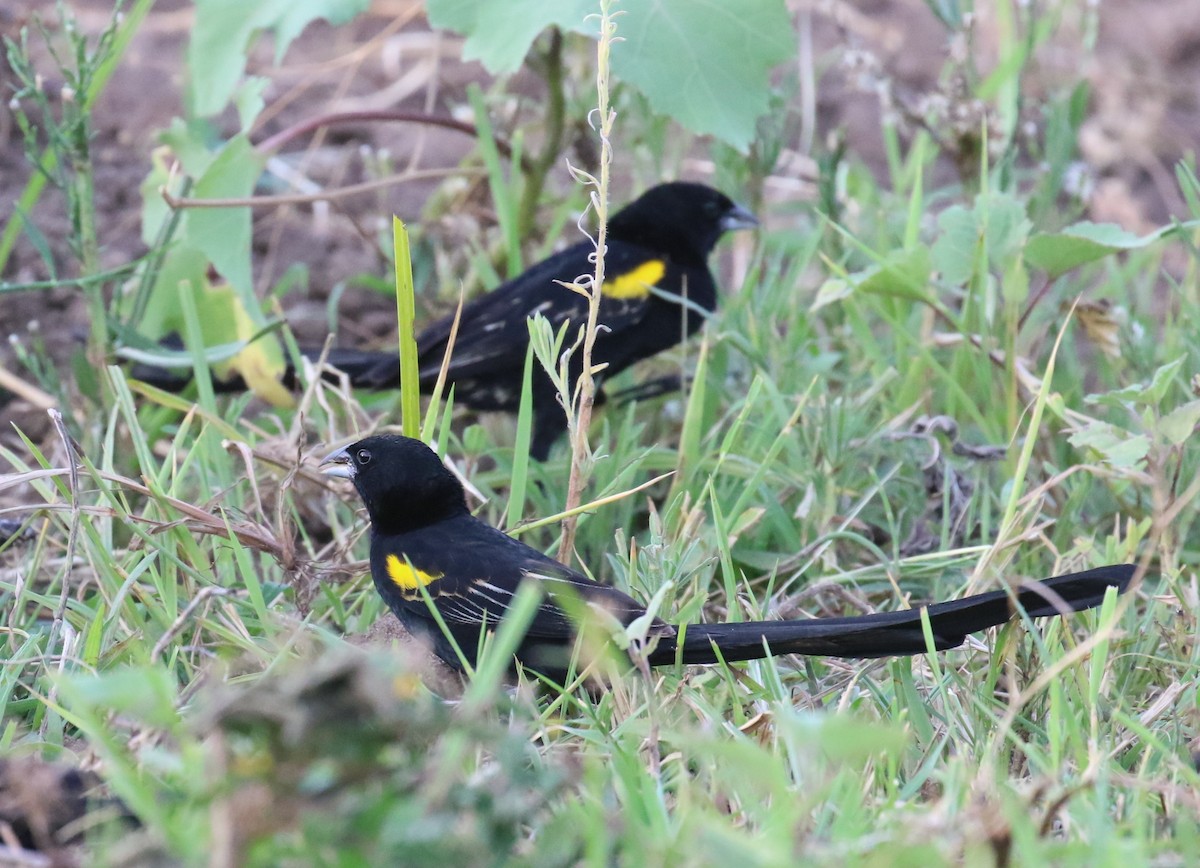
x: 366, y: 369
x: 889, y: 634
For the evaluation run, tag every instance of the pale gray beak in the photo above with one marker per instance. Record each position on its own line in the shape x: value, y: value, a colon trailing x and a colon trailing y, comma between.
x: 737, y: 217
x: 338, y: 464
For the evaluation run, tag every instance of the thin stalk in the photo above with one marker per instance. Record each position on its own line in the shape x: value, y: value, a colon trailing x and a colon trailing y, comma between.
x: 580, y: 418
x: 89, y: 248
x: 48, y: 160
x: 551, y: 68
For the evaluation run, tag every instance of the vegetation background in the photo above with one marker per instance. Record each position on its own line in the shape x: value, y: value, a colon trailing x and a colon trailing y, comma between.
x: 959, y: 352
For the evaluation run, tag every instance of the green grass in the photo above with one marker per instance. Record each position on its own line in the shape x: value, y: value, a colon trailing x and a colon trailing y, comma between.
x: 187, y: 610
x: 1040, y: 744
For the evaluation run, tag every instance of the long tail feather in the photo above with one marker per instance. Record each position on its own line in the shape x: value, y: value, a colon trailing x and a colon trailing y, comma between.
x: 366, y: 369
x: 889, y: 634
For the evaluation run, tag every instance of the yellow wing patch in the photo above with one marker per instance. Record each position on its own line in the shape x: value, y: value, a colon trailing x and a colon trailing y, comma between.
x: 636, y: 283
x: 404, y: 576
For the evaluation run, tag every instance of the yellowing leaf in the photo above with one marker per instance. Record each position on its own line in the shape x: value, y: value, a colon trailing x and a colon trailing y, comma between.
x: 261, y: 363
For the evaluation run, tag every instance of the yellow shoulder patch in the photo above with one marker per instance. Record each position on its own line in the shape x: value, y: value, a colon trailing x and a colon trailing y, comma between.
x: 635, y: 283
x: 404, y: 576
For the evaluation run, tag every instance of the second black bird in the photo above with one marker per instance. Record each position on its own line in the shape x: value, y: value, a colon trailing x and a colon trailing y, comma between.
x: 658, y: 290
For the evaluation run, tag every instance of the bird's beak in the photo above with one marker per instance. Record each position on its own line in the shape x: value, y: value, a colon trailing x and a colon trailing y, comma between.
x: 338, y: 464
x: 737, y: 217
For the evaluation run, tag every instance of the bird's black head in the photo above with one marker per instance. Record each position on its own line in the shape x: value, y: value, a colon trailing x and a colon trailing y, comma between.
x: 402, y: 482
x: 679, y: 218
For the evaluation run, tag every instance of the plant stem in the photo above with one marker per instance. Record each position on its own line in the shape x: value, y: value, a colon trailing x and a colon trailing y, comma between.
x: 129, y: 25
x: 83, y: 203
x: 580, y: 417
x: 551, y: 67
x: 274, y: 143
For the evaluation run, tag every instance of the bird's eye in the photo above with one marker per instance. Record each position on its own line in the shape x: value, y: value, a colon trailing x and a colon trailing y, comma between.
x: 711, y: 209
x: 363, y: 456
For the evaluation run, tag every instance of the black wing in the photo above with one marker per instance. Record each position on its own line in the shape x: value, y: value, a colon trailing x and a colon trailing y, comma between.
x: 492, y: 333
x: 473, y: 572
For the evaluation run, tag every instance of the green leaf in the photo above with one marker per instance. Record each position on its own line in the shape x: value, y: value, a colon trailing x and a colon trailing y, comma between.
x: 957, y: 245
x: 515, y: 510
x: 1006, y: 225
x: 234, y: 336
x: 213, y: 354
x: 260, y: 363
x: 224, y: 234
x: 225, y: 30
x: 183, y: 264
x: 1149, y: 395
x: 1178, y: 425
x: 190, y: 142
x: 1058, y: 252
x: 500, y: 32
x: 249, y: 100
x: 1015, y: 283
x: 832, y: 290
x: 410, y: 386
x: 995, y: 219
x: 1118, y: 447
x: 903, y: 273
x: 704, y: 63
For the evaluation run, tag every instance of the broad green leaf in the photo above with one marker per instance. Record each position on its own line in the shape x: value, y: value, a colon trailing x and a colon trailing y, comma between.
x: 1118, y: 447
x: 224, y: 234
x: 1006, y: 226
x: 182, y: 265
x: 956, y: 249
x: 182, y: 141
x: 704, y: 63
x: 233, y: 335
x: 1058, y: 252
x: 225, y: 30
x: 249, y: 100
x: 1178, y: 425
x: 903, y: 273
x: 995, y: 219
x: 500, y: 32
x: 191, y: 143
x: 1015, y: 282
x: 832, y: 290
x: 1164, y: 375
x: 1148, y: 395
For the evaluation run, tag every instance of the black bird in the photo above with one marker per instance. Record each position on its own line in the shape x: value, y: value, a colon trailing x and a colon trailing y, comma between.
x: 422, y: 535
x: 657, y: 291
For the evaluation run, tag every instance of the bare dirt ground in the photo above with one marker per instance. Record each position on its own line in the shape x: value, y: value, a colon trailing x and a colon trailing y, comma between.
x: 1144, y: 115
